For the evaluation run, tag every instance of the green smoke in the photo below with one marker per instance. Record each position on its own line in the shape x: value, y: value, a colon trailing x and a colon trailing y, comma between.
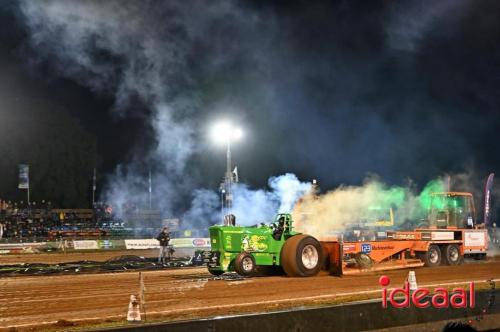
x: 367, y: 204
x: 434, y: 186
x: 387, y: 198
x: 406, y: 205
x: 381, y: 199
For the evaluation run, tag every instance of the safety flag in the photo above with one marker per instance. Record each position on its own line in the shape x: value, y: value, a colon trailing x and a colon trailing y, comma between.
x: 487, y: 194
x: 235, y: 175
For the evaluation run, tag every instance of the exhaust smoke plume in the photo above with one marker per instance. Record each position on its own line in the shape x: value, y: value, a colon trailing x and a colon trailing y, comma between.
x: 348, y: 207
x: 362, y: 206
x: 253, y: 206
x: 250, y: 206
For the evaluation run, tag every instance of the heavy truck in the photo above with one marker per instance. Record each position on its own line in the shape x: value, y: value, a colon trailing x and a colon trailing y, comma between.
x: 451, y: 233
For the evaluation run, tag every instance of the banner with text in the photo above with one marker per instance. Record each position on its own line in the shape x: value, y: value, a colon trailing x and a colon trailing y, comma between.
x: 176, y: 243
x: 24, y: 179
x: 190, y: 242
x: 85, y: 245
x: 142, y: 244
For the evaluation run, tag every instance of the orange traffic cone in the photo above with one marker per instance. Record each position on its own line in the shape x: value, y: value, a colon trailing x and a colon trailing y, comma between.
x: 134, y: 313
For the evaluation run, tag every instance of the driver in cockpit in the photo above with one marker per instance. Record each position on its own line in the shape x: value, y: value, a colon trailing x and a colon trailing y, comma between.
x: 279, y: 228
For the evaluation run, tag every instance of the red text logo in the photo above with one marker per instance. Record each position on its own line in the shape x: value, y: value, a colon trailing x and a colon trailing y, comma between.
x: 423, y: 298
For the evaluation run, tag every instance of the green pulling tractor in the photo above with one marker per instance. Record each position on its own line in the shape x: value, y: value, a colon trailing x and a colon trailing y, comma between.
x: 247, y: 249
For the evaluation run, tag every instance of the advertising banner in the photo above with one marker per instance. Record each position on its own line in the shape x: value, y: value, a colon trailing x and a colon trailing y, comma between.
x: 442, y: 236
x: 24, y: 180
x: 106, y: 244
x: 142, y: 244
x: 85, y: 245
x: 176, y: 243
x: 189, y: 242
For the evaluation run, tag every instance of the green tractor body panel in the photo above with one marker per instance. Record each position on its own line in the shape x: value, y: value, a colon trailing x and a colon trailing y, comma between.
x: 262, y: 242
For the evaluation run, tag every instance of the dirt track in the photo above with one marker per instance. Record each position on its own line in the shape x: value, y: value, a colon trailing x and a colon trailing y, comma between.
x: 57, y: 257
x: 39, y: 302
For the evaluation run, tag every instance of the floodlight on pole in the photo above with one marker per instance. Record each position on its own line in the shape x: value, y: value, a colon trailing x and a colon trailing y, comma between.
x: 225, y: 132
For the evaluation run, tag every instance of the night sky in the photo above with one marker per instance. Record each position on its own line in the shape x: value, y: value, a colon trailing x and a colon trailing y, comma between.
x: 333, y: 90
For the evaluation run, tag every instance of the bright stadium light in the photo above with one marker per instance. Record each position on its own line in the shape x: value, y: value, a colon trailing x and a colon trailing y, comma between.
x: 224, y: 132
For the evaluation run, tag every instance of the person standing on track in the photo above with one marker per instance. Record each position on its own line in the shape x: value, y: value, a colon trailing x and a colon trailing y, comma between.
x: 164, y: 238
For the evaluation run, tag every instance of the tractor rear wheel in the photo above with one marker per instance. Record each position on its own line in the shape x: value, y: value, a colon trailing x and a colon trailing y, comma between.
x: 451, y: 254
x: 433, y: 256
x: 301, y: 256
x: 244, y: 264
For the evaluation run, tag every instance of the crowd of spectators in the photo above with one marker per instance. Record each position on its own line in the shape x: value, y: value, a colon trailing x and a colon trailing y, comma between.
x: 33, y: 221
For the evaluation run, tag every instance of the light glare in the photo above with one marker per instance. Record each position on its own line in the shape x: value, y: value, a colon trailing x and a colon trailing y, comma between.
x: 224, y: 131
x: 237, y: 133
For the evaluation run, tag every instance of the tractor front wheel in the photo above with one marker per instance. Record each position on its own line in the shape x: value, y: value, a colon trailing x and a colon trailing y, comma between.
x: 244, y: 264
x: 301, y: 256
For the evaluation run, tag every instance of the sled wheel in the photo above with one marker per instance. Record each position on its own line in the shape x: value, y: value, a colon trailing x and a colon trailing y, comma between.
x: 433, y: 256
x: 451, y: 255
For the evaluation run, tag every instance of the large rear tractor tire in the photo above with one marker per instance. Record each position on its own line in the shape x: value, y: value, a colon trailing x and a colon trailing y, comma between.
x: 244, y: 264
x: 301, y: 256
x: 451, y: 255
x: 432, y: 257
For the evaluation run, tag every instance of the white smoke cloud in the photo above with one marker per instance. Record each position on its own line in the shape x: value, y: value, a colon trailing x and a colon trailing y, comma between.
x: 205, y: 209
x: 250, y: 206
x: 80, y: 34
x: 175, y: 140
x: 289, y: 189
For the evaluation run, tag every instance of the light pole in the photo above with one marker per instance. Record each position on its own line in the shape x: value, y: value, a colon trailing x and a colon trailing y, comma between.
x: 149, y: 188
x: 225, y: 132
x: 94, y: 187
